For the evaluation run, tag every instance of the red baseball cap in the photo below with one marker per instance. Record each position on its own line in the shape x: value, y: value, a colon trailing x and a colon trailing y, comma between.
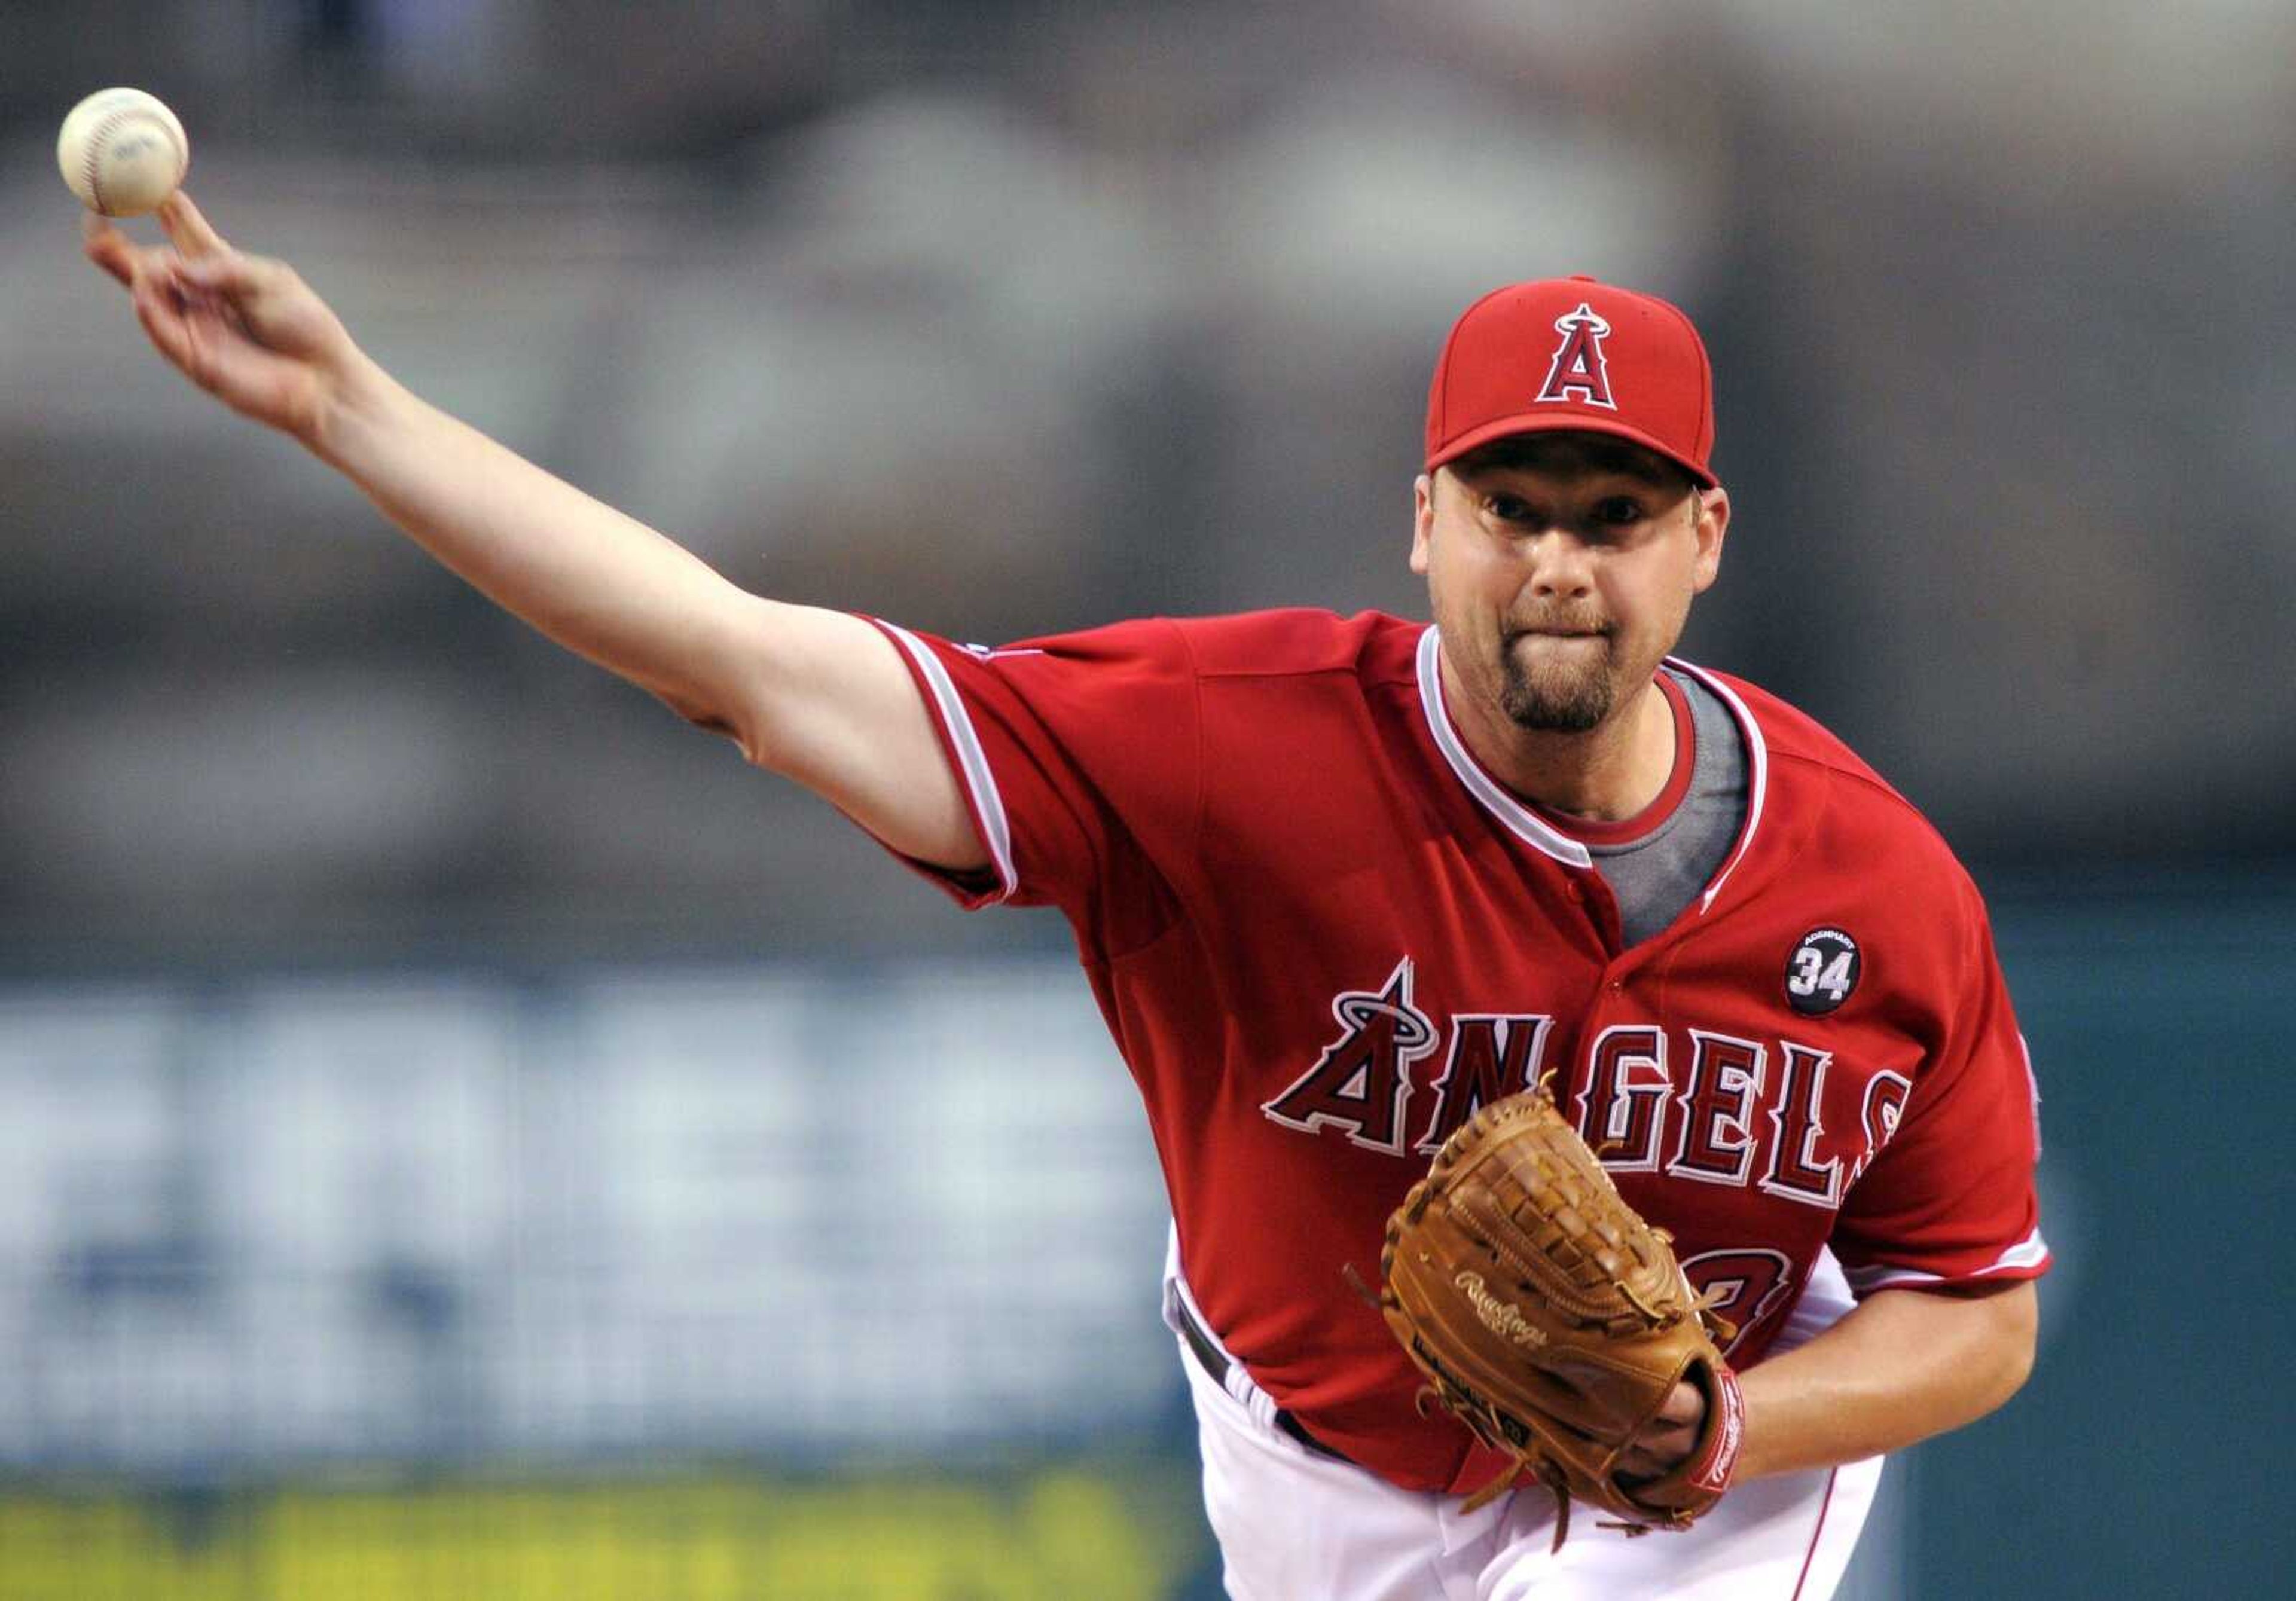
x: 1573, y: 353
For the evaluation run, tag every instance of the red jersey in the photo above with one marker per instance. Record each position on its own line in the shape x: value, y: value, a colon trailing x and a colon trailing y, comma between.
x: 1322, y: 935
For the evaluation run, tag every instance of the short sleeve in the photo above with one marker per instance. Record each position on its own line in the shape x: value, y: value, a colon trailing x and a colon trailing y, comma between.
x: 1950, y: 1199
x: 1079, y: 756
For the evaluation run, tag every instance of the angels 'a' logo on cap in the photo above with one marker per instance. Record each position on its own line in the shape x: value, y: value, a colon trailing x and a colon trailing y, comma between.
x: 1821, y: 971
x: 1579, y: 367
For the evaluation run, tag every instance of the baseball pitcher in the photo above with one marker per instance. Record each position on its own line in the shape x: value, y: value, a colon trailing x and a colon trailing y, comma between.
x: 1595, y: 1125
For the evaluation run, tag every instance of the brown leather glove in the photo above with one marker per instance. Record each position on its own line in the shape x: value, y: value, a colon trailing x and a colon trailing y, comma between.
x: 1552, y: 1320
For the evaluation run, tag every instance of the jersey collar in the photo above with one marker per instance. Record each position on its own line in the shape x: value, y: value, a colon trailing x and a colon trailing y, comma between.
x: 1525, y: 825
x: 1518, y: 819
x: 1758, y: 771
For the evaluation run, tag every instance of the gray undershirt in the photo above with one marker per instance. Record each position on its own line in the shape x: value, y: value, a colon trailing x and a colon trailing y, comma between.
x: 1657, y: 875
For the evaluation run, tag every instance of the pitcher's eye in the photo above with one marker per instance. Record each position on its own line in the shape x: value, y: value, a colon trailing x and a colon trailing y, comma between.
x: 1618, y: 510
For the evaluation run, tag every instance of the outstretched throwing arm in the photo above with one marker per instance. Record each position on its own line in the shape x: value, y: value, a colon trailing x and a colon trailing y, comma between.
x: 818, y: 696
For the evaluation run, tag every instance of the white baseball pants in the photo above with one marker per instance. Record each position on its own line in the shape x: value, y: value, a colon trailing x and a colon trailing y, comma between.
x: 1294, y: 1526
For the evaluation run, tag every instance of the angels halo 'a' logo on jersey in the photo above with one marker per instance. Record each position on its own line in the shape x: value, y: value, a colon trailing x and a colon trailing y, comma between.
x: 1579, y: 367
x: 1822, y: 971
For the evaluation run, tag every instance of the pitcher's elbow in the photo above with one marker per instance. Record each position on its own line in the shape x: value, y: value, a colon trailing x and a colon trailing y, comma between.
x: 2016, y: 1341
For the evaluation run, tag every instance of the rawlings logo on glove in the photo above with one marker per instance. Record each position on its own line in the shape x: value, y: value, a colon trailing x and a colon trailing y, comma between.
x: 1502, y: 1317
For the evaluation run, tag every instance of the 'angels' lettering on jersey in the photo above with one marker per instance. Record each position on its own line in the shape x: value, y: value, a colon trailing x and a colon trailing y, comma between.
x: 1775, y: 1113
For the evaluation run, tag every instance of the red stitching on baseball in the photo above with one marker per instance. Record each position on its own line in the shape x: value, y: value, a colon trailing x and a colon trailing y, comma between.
x: 88, y: 162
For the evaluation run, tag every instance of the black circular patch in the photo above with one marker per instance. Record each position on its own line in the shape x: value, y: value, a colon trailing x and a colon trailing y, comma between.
x: 1822, y: 971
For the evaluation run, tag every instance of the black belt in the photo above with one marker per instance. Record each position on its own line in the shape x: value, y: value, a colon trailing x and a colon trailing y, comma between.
x: 1215, y: 1363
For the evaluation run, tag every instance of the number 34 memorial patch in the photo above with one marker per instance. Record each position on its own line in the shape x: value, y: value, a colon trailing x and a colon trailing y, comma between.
x: 1822, y: 971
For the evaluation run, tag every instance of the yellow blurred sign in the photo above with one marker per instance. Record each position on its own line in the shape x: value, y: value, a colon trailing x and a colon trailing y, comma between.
x: 1117, y: 1533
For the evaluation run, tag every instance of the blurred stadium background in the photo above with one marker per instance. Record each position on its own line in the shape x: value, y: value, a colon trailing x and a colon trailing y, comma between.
x: 463, y: 1134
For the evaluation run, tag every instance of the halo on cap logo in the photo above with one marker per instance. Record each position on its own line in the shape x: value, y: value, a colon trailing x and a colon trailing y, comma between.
x: 1822, y: 971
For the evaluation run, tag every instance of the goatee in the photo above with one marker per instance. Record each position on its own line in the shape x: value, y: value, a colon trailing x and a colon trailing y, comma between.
x: 1557, y: 701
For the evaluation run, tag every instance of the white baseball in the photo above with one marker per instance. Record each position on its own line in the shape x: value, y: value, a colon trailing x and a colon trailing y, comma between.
x: 122, y: 152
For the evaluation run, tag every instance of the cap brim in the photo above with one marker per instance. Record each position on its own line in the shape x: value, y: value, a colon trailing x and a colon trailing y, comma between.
x: 1548, y: 421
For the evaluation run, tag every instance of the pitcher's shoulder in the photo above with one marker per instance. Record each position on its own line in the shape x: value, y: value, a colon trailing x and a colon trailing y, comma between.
x: 1302, y: 640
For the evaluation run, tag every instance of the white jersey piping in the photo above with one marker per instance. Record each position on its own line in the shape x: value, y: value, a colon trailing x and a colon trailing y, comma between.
x: 1526, y: 826
x: 1519, y: 819
x: 2031, y: 1251
x: 1758, y: 771
x: 972, y: 761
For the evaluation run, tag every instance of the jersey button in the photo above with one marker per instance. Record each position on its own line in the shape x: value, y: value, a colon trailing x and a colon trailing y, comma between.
x: 1576, y: 892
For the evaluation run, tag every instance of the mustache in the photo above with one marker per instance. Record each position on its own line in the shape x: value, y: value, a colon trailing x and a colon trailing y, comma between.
x: 1559, y: 622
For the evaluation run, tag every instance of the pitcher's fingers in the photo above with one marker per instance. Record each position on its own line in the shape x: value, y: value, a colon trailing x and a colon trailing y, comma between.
x: 108, y: 248
x: 194, y: 235
x: 163, y: 320
x: 228, y: 274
